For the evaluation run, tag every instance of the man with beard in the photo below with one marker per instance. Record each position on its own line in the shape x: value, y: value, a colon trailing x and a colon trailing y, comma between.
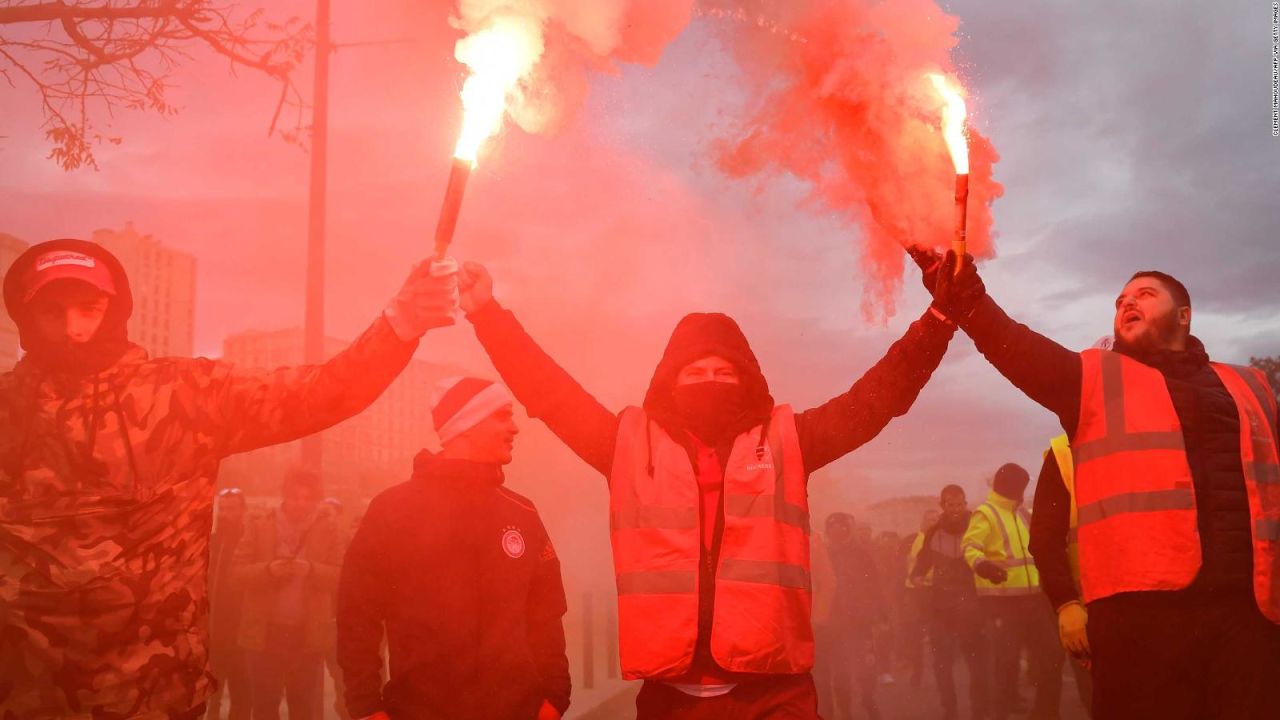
x: 1177, y: 498
x: 709, y: 502
x: 955, y: 617
x: 108, y: 460
x: 461, y: 573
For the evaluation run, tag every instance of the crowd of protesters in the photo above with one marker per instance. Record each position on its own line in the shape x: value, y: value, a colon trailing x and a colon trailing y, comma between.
x: 1155, y: 529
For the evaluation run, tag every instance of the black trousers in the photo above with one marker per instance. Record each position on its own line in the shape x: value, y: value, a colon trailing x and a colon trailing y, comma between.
x: 1018, y: 622
x: 1183, y: 656
x: 955, y: 632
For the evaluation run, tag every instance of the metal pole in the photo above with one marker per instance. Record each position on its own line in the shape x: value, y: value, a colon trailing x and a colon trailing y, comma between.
x: 313, y: 331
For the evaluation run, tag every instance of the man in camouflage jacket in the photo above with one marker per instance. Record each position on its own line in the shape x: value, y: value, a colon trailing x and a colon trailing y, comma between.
x: 107, y: 466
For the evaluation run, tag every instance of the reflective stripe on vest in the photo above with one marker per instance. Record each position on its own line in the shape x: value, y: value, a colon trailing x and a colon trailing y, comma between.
x: 1117, y: 438
x: 1260, y: 458
x: 1134, y: 487
x: 762, y: 582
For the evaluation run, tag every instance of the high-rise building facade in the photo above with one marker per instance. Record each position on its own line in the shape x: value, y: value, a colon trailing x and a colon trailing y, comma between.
x: 163, y: 282
x: 164, y: 290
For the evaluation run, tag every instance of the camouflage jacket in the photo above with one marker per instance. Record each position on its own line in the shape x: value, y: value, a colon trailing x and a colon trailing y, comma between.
x: 106, y: 507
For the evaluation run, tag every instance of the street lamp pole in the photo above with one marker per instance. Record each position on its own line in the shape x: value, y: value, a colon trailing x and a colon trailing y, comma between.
x: 313, y: 325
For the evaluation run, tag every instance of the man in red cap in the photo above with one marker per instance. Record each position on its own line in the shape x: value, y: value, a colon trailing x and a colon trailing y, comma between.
x: 107, y: 466
x: 709, y: 510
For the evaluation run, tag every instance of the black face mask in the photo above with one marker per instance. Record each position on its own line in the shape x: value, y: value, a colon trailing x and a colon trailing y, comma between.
x: 709, y: 409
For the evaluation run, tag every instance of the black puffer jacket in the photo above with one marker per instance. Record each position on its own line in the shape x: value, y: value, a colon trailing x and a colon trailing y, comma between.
x: 461, y: 573
x: 1051, y: 375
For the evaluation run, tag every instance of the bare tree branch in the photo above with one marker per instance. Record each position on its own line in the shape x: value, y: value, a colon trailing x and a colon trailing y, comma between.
x: 87, y: 58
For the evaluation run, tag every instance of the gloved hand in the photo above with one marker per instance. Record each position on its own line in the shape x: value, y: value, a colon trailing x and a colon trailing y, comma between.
x: 929, y: 261
x: 548, y: 711
x: 428, y: 299
x: 957, y: 295
x: 476, y: 286
x: 1073, y: 619
x: 990, y: 571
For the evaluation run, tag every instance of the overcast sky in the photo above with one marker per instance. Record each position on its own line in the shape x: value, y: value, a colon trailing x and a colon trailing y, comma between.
x: 1132, y: 136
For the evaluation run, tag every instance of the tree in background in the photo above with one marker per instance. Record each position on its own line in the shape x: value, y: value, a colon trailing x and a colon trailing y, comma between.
x: 89, y: 58
x: 1270, y: 366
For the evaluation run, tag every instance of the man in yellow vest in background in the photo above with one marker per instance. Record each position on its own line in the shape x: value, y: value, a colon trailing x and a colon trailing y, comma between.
x: 995, y: 546
x: 916, y: 616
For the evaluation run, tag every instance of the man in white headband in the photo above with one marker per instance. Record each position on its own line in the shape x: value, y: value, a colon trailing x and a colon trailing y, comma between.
x: 460, y: 570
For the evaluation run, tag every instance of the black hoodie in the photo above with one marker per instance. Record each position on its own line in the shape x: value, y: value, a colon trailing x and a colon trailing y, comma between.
x: 109, y: 343
x: 826, y: 432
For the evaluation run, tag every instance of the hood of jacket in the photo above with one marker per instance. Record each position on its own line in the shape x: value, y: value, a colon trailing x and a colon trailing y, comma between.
x: 698, y: 336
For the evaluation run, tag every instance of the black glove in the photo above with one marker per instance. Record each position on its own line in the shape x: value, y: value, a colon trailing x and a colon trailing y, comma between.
x: 930, y: 261
x: 957, y: 295
x: 990, y: 572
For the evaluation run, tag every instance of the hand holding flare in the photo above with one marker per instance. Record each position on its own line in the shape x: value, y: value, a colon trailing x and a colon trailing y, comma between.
x: 953, y: 116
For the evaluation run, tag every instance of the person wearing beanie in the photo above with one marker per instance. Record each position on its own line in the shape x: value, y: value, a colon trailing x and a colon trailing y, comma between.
x: 108, y: 460
x: 708, y: 501
x: 1176, y: 462
x: 996, y: 548
x: 461, y: 573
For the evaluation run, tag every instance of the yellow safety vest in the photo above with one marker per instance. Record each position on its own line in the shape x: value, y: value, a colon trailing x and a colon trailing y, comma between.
x: 1061, y: 449
x: 998, y: 533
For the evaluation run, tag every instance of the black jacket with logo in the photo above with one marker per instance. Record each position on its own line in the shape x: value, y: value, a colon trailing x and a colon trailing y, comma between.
x: 463, y: 575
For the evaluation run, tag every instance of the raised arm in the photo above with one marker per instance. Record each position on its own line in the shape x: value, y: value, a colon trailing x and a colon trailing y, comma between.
x: 1050, y: 535
x: 886, y: 391
x: 251, y: 408
x: 543, y: 387
x: 1047, y: 372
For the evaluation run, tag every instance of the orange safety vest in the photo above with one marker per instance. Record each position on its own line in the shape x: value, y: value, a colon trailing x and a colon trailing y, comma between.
x: 1136, y: 505
x: 762, y: 585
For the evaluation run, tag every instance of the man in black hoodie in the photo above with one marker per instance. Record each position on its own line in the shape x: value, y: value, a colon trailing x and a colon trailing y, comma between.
x: 1177, y: 499
x: 461, y: 573
x: 709, y: 501
x: 108, y: 460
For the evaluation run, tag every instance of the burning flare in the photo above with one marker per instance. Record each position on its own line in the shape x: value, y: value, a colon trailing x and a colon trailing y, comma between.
x: 499, y: 57
x: 953, y: 116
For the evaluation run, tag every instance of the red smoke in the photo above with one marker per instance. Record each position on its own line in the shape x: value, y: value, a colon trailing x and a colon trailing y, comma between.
x: 579, y: 36
x: 841, y: 101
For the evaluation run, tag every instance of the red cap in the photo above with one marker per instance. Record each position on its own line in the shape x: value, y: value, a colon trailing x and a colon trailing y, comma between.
x: 66, y: 265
